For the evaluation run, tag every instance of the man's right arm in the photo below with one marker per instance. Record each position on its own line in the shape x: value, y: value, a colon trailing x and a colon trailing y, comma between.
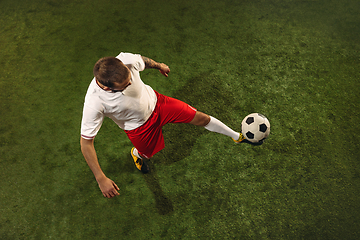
x: 107, y: 186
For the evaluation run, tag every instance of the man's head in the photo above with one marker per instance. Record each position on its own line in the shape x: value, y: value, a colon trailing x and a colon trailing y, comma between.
x: 111, y: 72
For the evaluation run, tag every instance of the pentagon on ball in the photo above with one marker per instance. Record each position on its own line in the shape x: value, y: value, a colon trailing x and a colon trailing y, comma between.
x: 255, y: 127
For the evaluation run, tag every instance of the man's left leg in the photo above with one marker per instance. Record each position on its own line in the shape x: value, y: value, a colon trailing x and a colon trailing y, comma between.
x: 139, y: 161
x: 214, y: 125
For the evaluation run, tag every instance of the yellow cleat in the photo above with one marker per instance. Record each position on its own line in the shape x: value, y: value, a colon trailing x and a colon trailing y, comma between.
x: 241, y: 138
x: 140, y: 164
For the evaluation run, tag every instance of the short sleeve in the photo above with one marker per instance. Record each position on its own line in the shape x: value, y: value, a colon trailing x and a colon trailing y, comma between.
x: 91, y: 122
x: 132, y: 60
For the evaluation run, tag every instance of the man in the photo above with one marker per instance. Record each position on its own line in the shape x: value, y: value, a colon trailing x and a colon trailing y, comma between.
x: 118, y: 92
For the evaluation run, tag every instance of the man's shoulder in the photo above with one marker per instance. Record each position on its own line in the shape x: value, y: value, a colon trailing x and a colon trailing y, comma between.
x: 92, y: 88
x: 132, y: 60
x: 93, y: 95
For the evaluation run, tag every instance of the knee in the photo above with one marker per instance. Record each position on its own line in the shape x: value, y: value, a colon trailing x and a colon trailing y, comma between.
x: 200, y: 119
x: 206, y: 120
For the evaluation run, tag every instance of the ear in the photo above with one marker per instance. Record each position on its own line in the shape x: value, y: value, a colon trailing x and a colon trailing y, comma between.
x: 102, y: 86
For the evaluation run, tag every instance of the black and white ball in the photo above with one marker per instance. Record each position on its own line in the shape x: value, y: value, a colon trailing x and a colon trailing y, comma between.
x: 255, y: 127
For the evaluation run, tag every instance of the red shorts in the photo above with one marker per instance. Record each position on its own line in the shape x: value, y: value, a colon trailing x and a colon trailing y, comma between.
x: 148, y: 138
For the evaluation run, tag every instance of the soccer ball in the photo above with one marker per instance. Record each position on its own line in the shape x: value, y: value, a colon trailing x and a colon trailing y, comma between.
x: 255, y: 127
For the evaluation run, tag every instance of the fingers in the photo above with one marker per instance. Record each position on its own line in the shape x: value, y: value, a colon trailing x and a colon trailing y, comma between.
x: 116, y: 187
x: 111, y: 194
x: 115, y: 192
x: 164, y: 69
x: 164, y: 73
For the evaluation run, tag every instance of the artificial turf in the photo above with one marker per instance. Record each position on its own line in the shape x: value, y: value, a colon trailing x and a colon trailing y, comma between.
x: 295, y: 61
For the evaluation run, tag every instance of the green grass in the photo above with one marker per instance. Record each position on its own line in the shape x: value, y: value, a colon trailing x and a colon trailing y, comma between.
x: 295, y: 61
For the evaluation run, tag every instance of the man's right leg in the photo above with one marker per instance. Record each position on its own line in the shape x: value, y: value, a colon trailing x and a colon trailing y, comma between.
x: 214, y: 125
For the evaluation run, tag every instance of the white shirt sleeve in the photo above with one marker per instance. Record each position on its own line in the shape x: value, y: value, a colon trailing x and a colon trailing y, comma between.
x: 91, y: 122
x: 133, y: 60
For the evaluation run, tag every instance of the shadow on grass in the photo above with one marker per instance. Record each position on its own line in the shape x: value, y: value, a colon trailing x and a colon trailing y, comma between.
x: 163, y: 204
x: 177, y: 148
x: 180, y: 138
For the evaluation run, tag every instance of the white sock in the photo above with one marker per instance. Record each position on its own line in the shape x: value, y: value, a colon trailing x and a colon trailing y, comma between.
x: 216, y: 126
x: 136, y: 153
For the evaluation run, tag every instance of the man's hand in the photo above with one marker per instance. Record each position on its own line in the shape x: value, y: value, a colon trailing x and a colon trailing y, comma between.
x: 108, y: 188
x: 164, y: 69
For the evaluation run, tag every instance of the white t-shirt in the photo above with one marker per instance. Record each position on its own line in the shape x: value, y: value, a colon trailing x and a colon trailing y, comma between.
x: 128, y: 109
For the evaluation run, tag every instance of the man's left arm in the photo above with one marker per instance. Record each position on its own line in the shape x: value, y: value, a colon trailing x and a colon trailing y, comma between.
x: 162, y: 67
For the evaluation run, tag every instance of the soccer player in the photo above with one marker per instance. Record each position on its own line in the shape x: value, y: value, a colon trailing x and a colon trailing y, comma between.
x: 118, y: 92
